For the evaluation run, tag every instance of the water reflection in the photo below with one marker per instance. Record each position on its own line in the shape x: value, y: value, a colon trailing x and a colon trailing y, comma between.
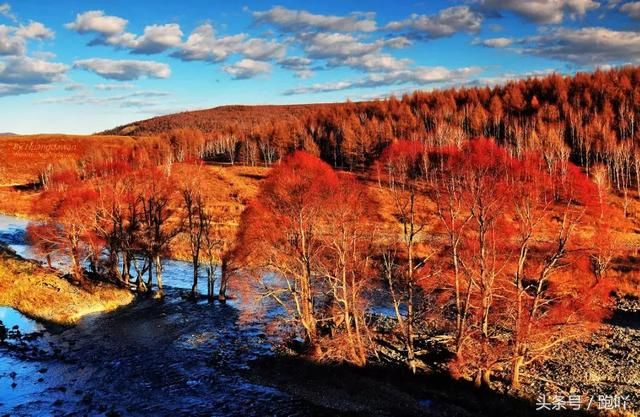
x: 153, y: 358
x: 11, y: 318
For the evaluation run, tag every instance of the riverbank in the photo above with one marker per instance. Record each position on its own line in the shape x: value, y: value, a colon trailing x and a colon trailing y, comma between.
x: 42, y: 294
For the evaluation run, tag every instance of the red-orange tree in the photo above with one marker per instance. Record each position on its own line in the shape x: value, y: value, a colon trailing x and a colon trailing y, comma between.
x: 347, y: 268
x: 69, y: 229
x: 281, y: 230
x: 307, y: 225
x: 516, y: 268
x: 403, y: 168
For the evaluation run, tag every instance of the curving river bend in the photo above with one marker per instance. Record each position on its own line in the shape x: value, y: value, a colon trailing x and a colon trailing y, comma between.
x: 168, y: 358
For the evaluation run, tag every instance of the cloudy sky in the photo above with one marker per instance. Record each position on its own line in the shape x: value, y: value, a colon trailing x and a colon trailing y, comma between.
x: 80, y: 66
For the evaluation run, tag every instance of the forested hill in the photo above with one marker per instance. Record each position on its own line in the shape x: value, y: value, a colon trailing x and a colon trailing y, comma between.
x: 215, y: 119
x: 589, y: 117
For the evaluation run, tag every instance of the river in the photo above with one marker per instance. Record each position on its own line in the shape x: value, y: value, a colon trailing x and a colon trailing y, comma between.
x: 153, y: 358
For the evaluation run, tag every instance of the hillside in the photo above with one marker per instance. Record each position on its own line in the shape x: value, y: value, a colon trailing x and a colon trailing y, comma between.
x: 212, y: 120
x: 588, y: 117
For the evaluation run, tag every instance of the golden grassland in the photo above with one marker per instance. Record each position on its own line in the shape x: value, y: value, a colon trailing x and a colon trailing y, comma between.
x: 228, y: 189
x: 42, y: 294
x: 23, y: 157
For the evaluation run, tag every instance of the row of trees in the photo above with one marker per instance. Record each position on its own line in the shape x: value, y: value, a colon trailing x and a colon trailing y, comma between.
x: 487, y: 251
x: 589, y: 117
x: 119, y: 215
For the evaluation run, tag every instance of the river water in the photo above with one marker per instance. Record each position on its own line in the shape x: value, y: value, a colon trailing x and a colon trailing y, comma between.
x: 153, y: 358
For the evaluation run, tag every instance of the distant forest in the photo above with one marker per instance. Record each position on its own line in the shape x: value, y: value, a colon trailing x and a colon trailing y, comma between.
x: 588, y: 118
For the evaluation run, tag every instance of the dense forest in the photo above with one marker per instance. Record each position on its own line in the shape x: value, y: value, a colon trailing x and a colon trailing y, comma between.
x: 587, y: 117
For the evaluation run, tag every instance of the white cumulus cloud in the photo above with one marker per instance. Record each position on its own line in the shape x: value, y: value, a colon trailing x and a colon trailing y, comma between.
x: 494, y: 42
x: 445, y: 23
x: 247, y: 68
x: 632, y: 9
x: 416, y: 76
x: 542, y: 11
x: 289, y: 20
x: 124, y: 70
x: 22, y: 75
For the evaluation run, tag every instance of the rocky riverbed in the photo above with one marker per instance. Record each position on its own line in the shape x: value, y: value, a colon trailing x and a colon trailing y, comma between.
x: 604, y: 369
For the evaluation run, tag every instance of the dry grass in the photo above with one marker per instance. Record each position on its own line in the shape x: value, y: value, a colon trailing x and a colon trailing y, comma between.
x: 23, y: 157
x: 228, y: 189
x: 42, y: 294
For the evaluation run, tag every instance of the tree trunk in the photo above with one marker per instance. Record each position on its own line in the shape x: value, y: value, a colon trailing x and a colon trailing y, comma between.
x: 126, y: 267
x: 150, y: 280
x: 411, y: 357
x: 307, y: 316
x: 210, y: 282
x: 76, y: 269
x: 515, y: 372
x: 222, y: 292
x: 194, y: 287
x: 159, y: 276
x: 486, y: 377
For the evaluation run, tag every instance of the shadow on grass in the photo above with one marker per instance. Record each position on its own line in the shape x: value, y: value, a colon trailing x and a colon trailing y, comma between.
x: 375, y: 390
x: 628, y: 319
x: 258, y: 177
x: 31, y: 186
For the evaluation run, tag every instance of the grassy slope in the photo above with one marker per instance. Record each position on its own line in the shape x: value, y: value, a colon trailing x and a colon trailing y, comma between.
x: 42, y: 294
x: 22, y: 158
x: 228, y: 188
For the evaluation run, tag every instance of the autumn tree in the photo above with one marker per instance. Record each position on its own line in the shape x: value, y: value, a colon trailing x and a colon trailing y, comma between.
x: 68, y: 230
x: 484, y: 169
x: 348, y: 269
x: 195, y: 222
x: 558, y: 298
x: 305, y: 237
x: 515, y: 225
x: 185, y: 143
x: 454, y: 212
x: 281, y: 230
x: 112, y: 220
x: 157, y: 229
x: 403, y: 168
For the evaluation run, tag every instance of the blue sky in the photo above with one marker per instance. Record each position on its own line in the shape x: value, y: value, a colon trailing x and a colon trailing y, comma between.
x: 83, y: 66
